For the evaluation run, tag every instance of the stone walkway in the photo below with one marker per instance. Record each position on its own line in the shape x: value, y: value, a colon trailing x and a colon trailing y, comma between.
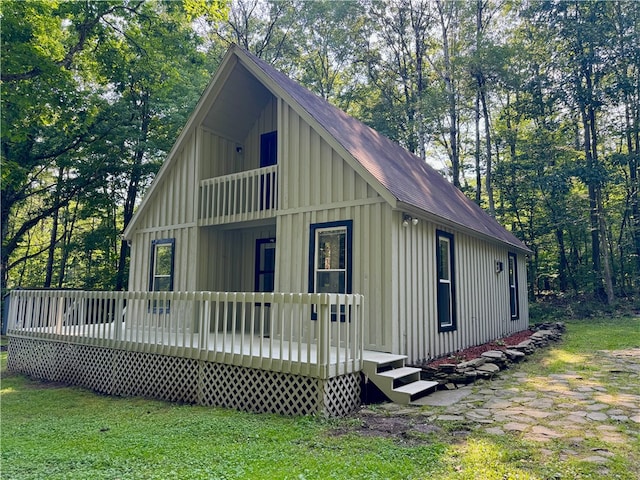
x: 570, y: 406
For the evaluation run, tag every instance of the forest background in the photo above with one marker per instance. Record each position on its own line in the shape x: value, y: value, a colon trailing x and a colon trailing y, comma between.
x: 531, y: 108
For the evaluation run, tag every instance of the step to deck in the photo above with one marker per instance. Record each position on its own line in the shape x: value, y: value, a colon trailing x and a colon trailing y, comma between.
x: 401, y: 384
x: 418, y: 389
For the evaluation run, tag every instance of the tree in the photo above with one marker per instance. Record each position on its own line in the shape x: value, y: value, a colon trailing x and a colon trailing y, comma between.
x: 95, y: 93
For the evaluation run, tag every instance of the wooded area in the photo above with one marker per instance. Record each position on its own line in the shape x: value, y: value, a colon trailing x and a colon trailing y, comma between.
x: 531, y: 108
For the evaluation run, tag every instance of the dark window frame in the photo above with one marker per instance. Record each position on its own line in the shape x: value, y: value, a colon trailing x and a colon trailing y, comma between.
x: 269, y: 149
x: 451, y: 323
x: 258, y: 271
x: 268, y: 157
x: 514, y: 296
x: 348, y: 226
x: 158, y: 306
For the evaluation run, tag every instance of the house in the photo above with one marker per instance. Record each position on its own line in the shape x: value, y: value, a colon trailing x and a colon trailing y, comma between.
x: 272, y: 198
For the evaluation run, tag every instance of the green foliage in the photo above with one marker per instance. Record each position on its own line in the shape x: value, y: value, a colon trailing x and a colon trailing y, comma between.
x: 95, y: 93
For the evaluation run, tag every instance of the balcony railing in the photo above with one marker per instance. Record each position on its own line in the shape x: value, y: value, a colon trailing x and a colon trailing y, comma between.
x: 239, y: 197
x: 270, y: 331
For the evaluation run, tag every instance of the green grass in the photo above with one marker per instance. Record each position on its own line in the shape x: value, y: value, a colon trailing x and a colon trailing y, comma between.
x: 56, y: 432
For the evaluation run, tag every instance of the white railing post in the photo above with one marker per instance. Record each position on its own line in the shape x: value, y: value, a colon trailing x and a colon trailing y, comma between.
x: 220, y: 327
x: 247, y: 195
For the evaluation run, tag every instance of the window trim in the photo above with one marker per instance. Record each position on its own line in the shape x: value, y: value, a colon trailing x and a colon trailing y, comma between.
x: 452, y: 324
x: 154, y: 306
x: 271, y: 241
x: 269, y: 149
x: 514, y: 295
x: 315, y: 228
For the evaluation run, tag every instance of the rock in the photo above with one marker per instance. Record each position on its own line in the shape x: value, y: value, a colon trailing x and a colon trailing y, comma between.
x: 515, y: 427
x: 494, y: 355
x: 447, y: 367
x: 476, y: 362
x: 595, y: 459
x: 597, y: 416
x: 489, y: 368
x: 514, y: 355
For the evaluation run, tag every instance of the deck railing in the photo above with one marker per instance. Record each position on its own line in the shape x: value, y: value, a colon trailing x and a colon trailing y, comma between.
x: 317, y: 335
x: 238, y: 197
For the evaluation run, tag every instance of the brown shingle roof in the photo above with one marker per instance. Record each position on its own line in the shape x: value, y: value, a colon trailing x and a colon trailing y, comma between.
x: 409, y: 179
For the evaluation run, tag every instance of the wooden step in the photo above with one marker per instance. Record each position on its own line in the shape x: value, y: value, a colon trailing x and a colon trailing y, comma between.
x: 400, y: 375
x: 417, y: 389
x: 399, y: 383
x: 375, y: 362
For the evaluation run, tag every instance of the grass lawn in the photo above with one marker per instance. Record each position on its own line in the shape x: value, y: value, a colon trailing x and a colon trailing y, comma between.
x: 54, y: 432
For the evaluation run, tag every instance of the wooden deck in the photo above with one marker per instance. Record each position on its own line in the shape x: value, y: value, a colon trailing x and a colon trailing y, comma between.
x: 213, y: 326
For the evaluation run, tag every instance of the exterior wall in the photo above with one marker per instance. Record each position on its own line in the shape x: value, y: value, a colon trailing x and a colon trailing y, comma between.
x: 173, y: 213
x: 228, y: 258
x: 393, y: 267
x: 482, y: 295
x: 170, y: 213
x: 317, y: 186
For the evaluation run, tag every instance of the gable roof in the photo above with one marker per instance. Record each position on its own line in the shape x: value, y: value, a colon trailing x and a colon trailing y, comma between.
x: 412, y: 183
x: 409, y: 179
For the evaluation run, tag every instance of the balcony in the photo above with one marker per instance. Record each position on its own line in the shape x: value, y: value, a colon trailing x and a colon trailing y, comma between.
x: 239, y: 197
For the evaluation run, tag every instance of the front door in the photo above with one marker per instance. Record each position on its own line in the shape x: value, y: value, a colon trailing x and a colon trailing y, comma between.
x: 265, y: 278
x: 265, y: 264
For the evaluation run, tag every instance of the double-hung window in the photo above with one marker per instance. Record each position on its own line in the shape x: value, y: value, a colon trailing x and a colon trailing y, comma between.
x: 161, y: 271
x: 446, y: 291
x: 514, y: 304
x: 330, y: 258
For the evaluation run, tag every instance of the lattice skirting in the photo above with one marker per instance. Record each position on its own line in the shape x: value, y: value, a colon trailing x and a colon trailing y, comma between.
x: 120, y: 372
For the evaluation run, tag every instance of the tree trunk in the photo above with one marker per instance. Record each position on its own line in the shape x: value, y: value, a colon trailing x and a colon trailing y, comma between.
x: 477, y: 150
x: 69, y: 225
x: 487, y: 135
x: 451, y: 96
x: 132, y: 191
x: 53, y: 242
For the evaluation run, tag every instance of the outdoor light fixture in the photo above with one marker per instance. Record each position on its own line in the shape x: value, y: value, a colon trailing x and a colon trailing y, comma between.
x: 406, y: 219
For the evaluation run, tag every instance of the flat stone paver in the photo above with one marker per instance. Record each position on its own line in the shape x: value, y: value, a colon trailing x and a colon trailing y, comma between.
x: 444, y: 398
x: 568, y: 407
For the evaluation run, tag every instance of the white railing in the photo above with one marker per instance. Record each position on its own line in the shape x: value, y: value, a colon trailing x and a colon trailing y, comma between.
x: 317, y: 335
x: 248, y: 195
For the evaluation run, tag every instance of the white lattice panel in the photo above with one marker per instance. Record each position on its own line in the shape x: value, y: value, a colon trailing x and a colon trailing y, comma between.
x: 178, y: 379
x: 156, y: 376
x: 92, y: 367
x: 342, y: 395
x: 259, y: 391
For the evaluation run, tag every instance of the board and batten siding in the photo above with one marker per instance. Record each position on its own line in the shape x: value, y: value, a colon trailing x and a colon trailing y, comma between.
x: 227, y: 257
x: 318, y: 186
x: 482, y: 295
x: 170, y: 213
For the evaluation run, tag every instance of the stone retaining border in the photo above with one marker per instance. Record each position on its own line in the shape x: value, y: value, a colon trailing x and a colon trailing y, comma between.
x: 453, y: 375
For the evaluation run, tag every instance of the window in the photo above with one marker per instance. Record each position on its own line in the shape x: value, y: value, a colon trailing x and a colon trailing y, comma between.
x: 330, y: 260
x: 265, y: 264
x: 446, y: 296
x: 268, y: 149
x: 268, y: 157
x: 161, y: 275
x: 514, y: 305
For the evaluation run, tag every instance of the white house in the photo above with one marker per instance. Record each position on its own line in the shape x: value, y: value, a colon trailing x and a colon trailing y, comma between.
x: 269, y: 188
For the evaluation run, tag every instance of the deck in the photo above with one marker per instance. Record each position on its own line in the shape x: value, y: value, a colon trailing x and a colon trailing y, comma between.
x: 265, y: 352
x: 291, y: 333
